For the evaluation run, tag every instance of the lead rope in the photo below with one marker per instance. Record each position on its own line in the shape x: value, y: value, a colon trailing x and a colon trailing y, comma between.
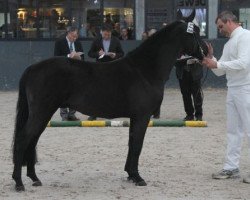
x: 206, y: 74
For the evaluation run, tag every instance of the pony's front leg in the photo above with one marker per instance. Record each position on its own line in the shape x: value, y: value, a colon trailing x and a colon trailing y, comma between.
x: 137, y: 131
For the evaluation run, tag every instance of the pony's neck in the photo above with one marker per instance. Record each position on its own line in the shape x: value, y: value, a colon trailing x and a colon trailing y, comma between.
x: 155, y: 58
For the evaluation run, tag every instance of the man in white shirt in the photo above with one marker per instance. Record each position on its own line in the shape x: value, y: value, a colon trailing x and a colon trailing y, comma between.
x: 235, y: 64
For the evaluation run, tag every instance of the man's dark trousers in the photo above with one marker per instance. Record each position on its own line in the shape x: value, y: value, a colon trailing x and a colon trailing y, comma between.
x: 191, y: 88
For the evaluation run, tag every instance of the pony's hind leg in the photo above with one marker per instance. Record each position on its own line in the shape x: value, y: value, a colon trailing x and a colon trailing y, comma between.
x: 41, y: 123
x: 31, y: 161
x: 26, y: 149
x: 136, y: 137
x: 19, y: 149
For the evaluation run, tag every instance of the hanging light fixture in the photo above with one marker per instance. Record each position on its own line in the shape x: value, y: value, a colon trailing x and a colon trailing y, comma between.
x: 95, y: 1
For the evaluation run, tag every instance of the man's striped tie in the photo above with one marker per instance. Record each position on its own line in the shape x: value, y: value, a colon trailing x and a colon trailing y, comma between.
x: 71, y: 47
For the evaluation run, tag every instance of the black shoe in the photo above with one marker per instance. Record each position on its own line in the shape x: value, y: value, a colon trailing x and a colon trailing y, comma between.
x: 91, y: 118
x: 198, y: 118
x: 73, y: 118
x: 189, y: 118
x: 225, y: 174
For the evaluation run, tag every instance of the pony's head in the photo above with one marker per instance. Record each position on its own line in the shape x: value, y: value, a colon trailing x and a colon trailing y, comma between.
x: 192, y: 44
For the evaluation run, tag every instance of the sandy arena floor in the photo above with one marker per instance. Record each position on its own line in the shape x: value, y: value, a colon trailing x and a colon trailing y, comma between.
x: 87, y: 163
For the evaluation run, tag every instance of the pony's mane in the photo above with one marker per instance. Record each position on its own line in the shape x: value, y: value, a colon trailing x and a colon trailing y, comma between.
x: 160, y: 36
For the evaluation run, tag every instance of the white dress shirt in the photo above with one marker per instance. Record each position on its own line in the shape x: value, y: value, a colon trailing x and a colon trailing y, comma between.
x: 73, y: 44
x: 106, y: 45
x: 235, y: 59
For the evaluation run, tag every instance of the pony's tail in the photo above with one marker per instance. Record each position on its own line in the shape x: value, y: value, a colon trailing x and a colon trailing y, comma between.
x: 22, y: 114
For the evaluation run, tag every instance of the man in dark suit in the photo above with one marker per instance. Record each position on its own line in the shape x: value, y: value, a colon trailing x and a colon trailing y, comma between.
x: 189, y: 72
x: 69, y: 46
x: 105, y: 48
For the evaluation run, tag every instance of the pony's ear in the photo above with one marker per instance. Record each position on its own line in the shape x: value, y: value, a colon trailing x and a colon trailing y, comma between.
x: 179, y: 15
x: 191, y: 17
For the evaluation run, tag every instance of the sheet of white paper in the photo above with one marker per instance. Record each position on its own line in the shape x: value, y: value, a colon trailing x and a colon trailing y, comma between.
x: 101, y: 56
x: 192, y: 61
x: 184, y: 58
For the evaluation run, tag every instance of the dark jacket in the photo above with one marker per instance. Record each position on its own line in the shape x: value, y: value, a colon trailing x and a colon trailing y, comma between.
x: 195, y: 69
x: 115, y: 47
x: 62, y: 47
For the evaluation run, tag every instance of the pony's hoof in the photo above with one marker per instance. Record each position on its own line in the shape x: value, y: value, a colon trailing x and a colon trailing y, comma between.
x: 137, y: 180
x: 37, y: 183
x: 20, y: 188
x: 141, y: 183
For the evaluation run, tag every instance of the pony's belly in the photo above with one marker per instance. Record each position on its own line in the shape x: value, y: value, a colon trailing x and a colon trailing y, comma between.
x: 103, y: 111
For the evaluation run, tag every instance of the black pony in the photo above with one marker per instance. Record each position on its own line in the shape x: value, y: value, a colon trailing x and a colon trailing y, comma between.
x: 129, y: 87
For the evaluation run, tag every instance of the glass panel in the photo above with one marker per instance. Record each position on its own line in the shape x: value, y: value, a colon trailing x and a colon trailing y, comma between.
x: 200, y: 18
x: 120, y: 14
x: 156, y: 17
x: 14, y: 28
x: 49, y: 19
x: 53, y: 18
x: 2, y: 20
x: 233, y: 4
x: 240, y: 8
x: 21, y: 19
x: 86, y: 15
x: 157, y: 13
x: 26, y: 18
x: 244, y: 18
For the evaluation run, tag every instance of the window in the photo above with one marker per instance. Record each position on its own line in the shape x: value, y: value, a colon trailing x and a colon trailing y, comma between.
x: 26, y: 22
x: 201, y: 10
x: 2, y: 20
x: 17, y: 19
x: 86, y: 15
x: 32, y: 19
x: 120, y: 14
x: 157, y: 13
x: 53, y: 18
x: 240, y: 8
x: 199, y: 20
x: 244, y: 17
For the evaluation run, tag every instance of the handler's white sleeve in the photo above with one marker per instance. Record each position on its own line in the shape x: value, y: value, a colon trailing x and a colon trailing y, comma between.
x: 242, y: 56
x: 217, y: 71
x: 235, y: 59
